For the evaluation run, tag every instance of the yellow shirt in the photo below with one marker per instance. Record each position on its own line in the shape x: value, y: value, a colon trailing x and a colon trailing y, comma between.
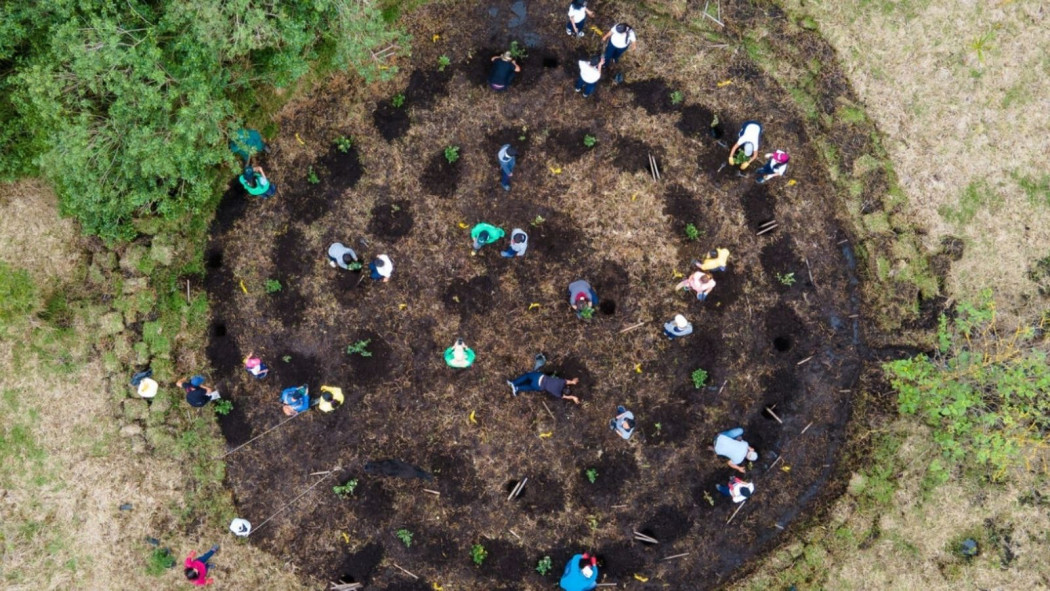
x: 337, y: 399
x: 709, y: 264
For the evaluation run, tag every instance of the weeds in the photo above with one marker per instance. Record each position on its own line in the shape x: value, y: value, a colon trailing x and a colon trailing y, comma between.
x: 443, y: 62
x: 592, y: 522
x: 677, y: 97
x: 359, y: 348
x: 699, y: 378
x: 286, y: 358
x: 347, y: 490
x: 223, y: 407
x: 589, y: 140
x: 405, y: 536
x: 18, y: 294
x: 452, y: 154
x: 692, y: 233
x: 343, y: 143
x: 272, y: 286
x: 592, y: 475
x: 478, y: 554
x: 311, y: 175
x: 787, y: 279
x: 398, y: 100
x: 160, y: 560
x: 544, y: 566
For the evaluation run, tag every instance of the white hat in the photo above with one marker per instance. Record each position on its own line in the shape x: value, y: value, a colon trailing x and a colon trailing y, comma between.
x: 752, y: 455
x: 240, y: 527
x: 147, y: 388
x: 680, y: 321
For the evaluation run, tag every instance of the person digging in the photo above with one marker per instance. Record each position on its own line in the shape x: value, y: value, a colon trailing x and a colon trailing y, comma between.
x: 198, y: 394
x: 295, y: 400
x: 731, y: 446
x: 483, y: 234
x: 581, y: 573
x: 582, y: 298
x: 745, y: 150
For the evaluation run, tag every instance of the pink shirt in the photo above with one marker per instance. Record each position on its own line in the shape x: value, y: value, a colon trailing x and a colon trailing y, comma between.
x: 696, y: 283
x: 201, y: 568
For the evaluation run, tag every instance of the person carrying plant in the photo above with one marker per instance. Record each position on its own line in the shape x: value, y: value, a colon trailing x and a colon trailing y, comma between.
x: 198, y: 393
x: 623, y: 423
x: 715, y: 261
x: 255, y: 182
x: 731, y: 446
x: 503, y: 71
x: 483, y: 234
x: 737, y: 489
x: 582, y: 298
x: 381, y: 268
x: 295, y: 400
x: 255, y: 366
x: 747, y: 143
x: 590, y: 74
x: 618, y: 40
x: 535, y: 381
x: 196, y: 570
x: 578, y: 13
x: 776, y: 165
x: 343, y: 257
x: 459, y: 356
x: 700, y: 282
x: 581, y: 573
x: 519, y: 243
x: 507, y: 157
x: 678, y: 327
x: 331, y: 398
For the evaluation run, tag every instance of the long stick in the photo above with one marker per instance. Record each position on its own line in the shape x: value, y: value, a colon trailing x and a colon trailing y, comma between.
x: 675, y: 556
x: 548, y: 410
x: 774, y: 415
x: 739, y: 507
x: 405, y: 571
x: 187, y: 291
x: 257, y: 436
x: 632, y: 327
x: 289, y: 503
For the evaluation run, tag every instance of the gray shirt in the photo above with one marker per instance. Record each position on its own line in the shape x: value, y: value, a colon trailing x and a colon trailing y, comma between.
x: 336, y: 252
x: 727, y: 447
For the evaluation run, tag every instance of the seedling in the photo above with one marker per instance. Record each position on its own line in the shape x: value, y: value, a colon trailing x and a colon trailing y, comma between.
x: 592, y: 475
x: 287, y: 359
x: 699, y: 378
x: 739, y: 158
x: 658, y: 426
x: 360, y: 348
x: 677, y: 97
x: 398, y: 100
x: 344, y: 143
x: 443, y: 62
x: 692, y: 233
x: 478, y: 554
x: 272, y: 286
x: 405, y: 536
x: 346, y: 490
x: 452, y: 154
x: 592, y: 522
x: 223, y: 407
x: 787, y: 279
x: 518, y: 51
x: 355, y: 266
x: 544, y: 565
x: 535, y: 223
x: 589, y: 140
x: 710, y: 500
x: 587, y: 313
x: 311, y: 176
x: 394, y: 208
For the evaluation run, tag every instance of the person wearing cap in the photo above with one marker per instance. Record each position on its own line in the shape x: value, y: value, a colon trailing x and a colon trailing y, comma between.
x: 381, y: 268
x: 623, y: 422
x: 737, y: 489
x: 590, y: 74
x: 255, y: 182
x: 617, y: 41
x: 519, y: 243
x: 198, y: 394
x: 535, y: 381
x: 483, y: 234
x: 343, y: 257
x: 581, y: 573
x: 196, y: 570
x: 700, y: 282
x: 715, y: 261
x: 508, y: 157
x: 776, y: 165
x: 240, y: 527
x: 578, y: 13
x: 503, y: 70
x: 295, y: 400
x: 678, y: 327
x: 255, y: 366
x: 731, y: 446
x: 459, y: 356
x: 748, y: 141
x: 331, y: 398
x: 582, y: 297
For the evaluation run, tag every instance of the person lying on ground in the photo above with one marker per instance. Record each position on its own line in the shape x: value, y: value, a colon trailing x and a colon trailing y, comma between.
x: 623, y: 422
x: 535, y: 381
x: 519, y: 243
x: 255, y: 366
x: 295, y: 400
x: 700, y: 282
x: 679, y: 327
x: 581, y: 573
x: 196, y: 570
x: 715, y: 261
x: 776, y: 165
x: 255, y: 182
x: 582, y: 297
x: 198, y: 393
x: 331, y: 398
x: 381, y: 268
x: 459, y: 356
x: 731, y: 446
x: 737, y: 489
x: 748, y: 141
x: 343, y: 257
x: 578, y: 13
x: 503, y: 71
x: 483, y: 234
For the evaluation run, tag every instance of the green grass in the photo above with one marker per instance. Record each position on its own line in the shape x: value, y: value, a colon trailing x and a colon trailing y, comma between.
x: 977, y: 196
x: 1036, y: 188
x: 18, y: 295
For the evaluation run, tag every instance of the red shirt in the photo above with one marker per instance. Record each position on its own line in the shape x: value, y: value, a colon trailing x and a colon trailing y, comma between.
x: 201, y: 568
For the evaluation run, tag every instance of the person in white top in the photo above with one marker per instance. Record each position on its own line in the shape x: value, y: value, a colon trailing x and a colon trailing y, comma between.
x: 748, y: 142
x: 590, y: 73
x: 620, y: 38
x: 382, y: 267
x: 578, y: 13
x: 776, y: 165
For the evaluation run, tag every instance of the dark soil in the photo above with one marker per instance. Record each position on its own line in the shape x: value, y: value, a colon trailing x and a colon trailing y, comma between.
x: 391, y: 219
x: 566, y: 145
x: 440, y: 177
x: 632, y: 155
x: 696, y: 123
x: 653, y: 95
x: 392, y: 122
x: 426, y: 86
x: 759, y: 206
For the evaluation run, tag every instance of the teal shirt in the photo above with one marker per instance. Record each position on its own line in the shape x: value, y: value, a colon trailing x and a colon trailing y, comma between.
x: 494, y: 232
x: 262, y: 186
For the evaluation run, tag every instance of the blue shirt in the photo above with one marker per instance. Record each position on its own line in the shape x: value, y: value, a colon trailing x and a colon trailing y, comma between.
x: 573, y: 580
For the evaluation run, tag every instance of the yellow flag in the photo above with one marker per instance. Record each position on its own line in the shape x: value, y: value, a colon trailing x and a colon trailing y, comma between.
x: 724, y: 83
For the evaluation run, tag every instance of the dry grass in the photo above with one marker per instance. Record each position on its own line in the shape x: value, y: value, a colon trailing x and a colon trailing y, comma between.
x: 32, y: 236
x: 958, y: 89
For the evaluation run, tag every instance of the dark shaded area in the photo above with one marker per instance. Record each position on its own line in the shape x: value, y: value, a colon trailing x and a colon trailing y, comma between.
x: 653, y: 95
x: 392, y: 122
x: 427, y: 85
x: 696, y: 123
x: 566, y: 145
x: 470, y: 297
x: 440, y: 177
x: 632, y: 155
x: 391, y: 219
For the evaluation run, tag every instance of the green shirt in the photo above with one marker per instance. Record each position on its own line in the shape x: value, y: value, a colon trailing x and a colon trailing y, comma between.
x: 494, y: 232
x: 261, y: 186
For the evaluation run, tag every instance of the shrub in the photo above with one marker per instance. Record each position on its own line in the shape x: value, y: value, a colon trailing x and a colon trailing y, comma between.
x: 443, y: 62
x: 787, y: 279
x: 18, y: 294
x: 359, y: 348
x: 452, y: 154
x: 544, y: 565
x: 272, y: 286
x: 518, y: 51
x: 699, y: 378
x: 311, y: 175
x: 691, y: 232
x: 345, y: 490
x: 677, y: 97
x: 478, y: 554
x: 344, y: 143
x: 223, y: 407
x: 589, y: 140
x: 591, y: 474
x: 398, y: 100
x: 160, y: 560
x: 405, y: 536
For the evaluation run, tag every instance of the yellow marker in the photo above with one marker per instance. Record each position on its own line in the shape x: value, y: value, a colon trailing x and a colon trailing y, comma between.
x: 786, y: 468
x: 597, y: 31
x: 675, y: 274
x: 462, y: 225
x: 639, y: 577
x: 435, y: 586
x: 725, y: 83
x: 634, y: 197
x: 792, y: 183
x: 243, y: 288
x: 472, y: 419
x: 533, y: 306
x: 299, y: 139
x: 402, y: 306
x: 346, y: 538
x: 546, y: 435
x: 637, y: 368
x: 434, y: 39
x: 554, y: 169
x: 455, y: 298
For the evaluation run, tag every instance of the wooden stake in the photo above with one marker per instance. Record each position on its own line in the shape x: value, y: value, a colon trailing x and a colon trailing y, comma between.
x: 345, y: 586
x: 319, y: 473
x: 675, y: 556
x: 724, y: 382
x: 774, y: 415
x: 632, y: 327
x: 433, y: 492
x: 404, y: 571
x: 517, y: 488
x: 806, y: 429
x: 804, y: 360
x: 778, y: 526
x: 719, y: 8
x: 644, y: 538
x: 548, y: 410
x: 810, y: 271
x: 769, y: 228
x: 187, y: 291
x: 775, y: 462
x: 739, y: 507
x: 514, y: 534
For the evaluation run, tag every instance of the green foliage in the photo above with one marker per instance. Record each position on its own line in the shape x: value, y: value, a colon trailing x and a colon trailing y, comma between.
x: 286, y: 358
x: 223, y: 407
x: 537, y: 221
x: 347, y: 489
x: 691, y: 232
x: 311, y: 175
x: 677, y: 97
x: 18, y: 294
x: 478, y: 554
x: 452, y: 154
x: 591, y: 474
x: 272, y: 286
x: 343, y: 143
x: 405, y: 536
x: 517, y: 50
x: 360, y: 348
x: 127, y: 107
x: 443, y: 62
x: 589, y: 140
x: 699, y: 378
x: 976, y: 196
x: 544, y: 566
x: 587, y: 313
x: 398, y: 100
x: 739, y: 158
x: 985, y: 392
x: 160, y: 560
x: 787, y: 279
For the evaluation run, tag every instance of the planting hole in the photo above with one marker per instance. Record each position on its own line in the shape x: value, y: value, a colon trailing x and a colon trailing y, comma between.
x: 550, y: 62
x: 218, y: 330
x: 213, y: 260
x: 782, y: 344
x: 607, y: 307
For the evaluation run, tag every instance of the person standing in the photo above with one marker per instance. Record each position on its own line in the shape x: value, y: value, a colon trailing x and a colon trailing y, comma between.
x: 617, y: 41
x: 343, y: 257
x: 198, y: 393
x: 700, y: 282
x: 678, y: 327
x: 590, y: 73
x: 776, y: 165
x: 581, y: 573
x: 255, y: 182
x: 381, y: 268
x: 535, y: 381
x: 748, y: 141
x: 508, y: 157
x: 623, y: 423
x: 731, y: 446
x: 578, y: 13
x: 483, y: 234
x: 196, y: 570
x: 503, y: 70
x: 582, y: 297
x: 519, y: 243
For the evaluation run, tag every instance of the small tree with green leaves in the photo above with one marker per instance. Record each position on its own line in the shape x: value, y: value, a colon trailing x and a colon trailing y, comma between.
x: 452, y: 154
x: 677, y: 97
x: 160, y: 560
x: 478, y: 554
x: 699, y: 378
x: 544, y: 565
x: 691, y: 232
x: 223, y: 407
x: 359, y: 348
x: 343, y: 143
x: 589, y: 140
x: 787, y: 279
x: 405, y: 536
x: 398, y: 100
x: 272, y: 286
x: 591, y: 474
x: 346, y: 489
x: 443, y: 62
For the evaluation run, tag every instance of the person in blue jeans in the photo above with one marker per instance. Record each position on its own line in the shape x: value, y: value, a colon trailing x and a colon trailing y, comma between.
x: 535, y: 381
x: 507, y: 157
x: 519, y: 243
x: 623, y: 423
x: 581, y: 573
x: 590, y: 74
x: 731, y: 446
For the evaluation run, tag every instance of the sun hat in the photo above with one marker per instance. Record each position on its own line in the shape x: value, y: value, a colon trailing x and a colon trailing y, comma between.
x: 680, y: 321
x: 752, y: 455
x: 240, y: 527
x: 507, y: 56
x: 147, y: 388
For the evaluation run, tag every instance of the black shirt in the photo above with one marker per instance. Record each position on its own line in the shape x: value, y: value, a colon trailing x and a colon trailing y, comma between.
x: 502, y: 72
x: 197, y: 396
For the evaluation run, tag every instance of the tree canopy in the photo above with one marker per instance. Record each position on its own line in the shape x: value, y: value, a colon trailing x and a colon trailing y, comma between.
x: 126, y: 107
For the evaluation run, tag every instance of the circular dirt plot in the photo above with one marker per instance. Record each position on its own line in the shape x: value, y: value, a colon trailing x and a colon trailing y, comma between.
x: 456, y: 441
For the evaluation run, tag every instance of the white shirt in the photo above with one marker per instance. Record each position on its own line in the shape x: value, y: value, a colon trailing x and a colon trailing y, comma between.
x: 589, y: 73
x: 751, y: 134
x: 387, y: 269
x: 577, y: 16
x: 622, y: 40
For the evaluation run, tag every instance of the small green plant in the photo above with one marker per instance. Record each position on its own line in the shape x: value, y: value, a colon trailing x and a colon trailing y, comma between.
x: 272, y: 286
x: 699, y: 378
x: 544, y: 565
x: 287, y: 359
x: 223, y: 407
x: 538, y: 220
x: 787, y: 279
x: 739, y: 158
x: 359, y: 348
x: 443, y: 62
x: 592, y: 522
x: 311, y: 176
x: 518, y: 51
x: 587, y: 313
x: 355, y: 266
x: 346, y: 490
x: 692, y: 233
x: 398, y: 100
x: 658, y: 426
x: 160, y: 560
x: 589, y: 140
x: 710, y: 500
x: 405, y: 536
x: 452, y: 154
x: 478, y: 554
x: 677, y: 97
x: 343, y: 143
x: 592, y: 475
x: 394, y: 208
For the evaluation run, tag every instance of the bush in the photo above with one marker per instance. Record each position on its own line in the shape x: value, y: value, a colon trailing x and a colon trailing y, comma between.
x: 699, y: 378
x: 18, y: 294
